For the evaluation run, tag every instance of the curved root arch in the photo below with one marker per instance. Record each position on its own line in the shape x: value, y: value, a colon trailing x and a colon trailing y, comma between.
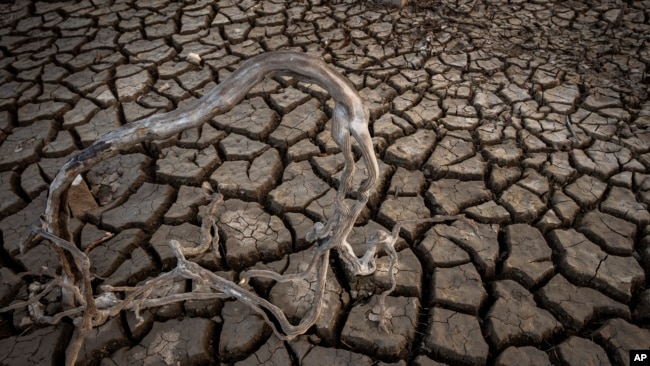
x: 349, y: 120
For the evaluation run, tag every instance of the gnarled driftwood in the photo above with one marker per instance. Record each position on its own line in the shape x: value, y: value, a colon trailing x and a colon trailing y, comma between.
x: 349, y: 121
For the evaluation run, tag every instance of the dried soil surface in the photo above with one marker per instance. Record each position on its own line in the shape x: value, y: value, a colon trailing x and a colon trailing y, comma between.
x: 530, y: 117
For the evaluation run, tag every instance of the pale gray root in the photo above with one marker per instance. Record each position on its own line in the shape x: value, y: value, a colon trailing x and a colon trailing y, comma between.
x: 95, y: 311
x: 86, y: 301
x: 137, y: 298
x: 207, y: 226
x: 349, y: 120
x: 366, y: 264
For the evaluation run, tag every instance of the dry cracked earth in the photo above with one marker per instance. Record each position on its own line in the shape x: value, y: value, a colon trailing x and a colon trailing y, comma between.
x: 530, y: 118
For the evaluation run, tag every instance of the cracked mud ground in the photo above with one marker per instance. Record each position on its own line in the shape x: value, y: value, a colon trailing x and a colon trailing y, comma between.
x: 531, y: 118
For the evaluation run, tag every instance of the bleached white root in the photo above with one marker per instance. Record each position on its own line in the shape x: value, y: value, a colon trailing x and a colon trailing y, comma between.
x: 89, y: 309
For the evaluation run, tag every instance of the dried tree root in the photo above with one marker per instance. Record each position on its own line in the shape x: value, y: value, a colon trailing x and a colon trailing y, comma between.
x: 86, y: 301
x: 208, y: 224
x: 350, y: 120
